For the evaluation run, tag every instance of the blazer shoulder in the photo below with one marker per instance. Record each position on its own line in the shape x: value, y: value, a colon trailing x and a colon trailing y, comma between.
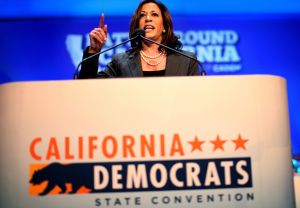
x: 188, y: 53
x: 176, y: 57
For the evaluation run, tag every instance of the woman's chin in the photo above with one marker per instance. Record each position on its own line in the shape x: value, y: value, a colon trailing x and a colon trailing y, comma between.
x: 152, y: 37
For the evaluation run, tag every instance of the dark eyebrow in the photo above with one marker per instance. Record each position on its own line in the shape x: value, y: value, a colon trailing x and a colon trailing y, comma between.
x: 150, y: 11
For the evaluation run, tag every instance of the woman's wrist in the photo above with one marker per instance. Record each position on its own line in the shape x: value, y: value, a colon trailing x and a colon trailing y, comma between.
x: 92, y: 50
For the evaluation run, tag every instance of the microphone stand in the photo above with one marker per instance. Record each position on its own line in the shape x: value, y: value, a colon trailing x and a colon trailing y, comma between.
x: 203, y: 72
x: 100, y: 52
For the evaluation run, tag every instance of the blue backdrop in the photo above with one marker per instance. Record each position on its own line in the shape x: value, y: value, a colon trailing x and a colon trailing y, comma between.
x: 42, y: 40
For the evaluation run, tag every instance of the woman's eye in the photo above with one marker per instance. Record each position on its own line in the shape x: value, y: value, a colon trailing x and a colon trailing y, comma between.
x: 154, y: 14
x: 142, y: 15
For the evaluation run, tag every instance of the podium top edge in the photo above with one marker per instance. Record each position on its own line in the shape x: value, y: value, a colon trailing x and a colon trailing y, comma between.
x: 153, y: 78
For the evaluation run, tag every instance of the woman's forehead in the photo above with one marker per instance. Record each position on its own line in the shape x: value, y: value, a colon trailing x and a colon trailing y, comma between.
x: 150, y: 7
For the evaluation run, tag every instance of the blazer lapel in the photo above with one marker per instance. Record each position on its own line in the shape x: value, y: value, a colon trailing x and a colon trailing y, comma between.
x: 172, y: 65
x: 134, y: 65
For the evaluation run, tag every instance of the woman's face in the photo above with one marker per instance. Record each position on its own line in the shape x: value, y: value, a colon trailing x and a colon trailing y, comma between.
x: 151, y: 21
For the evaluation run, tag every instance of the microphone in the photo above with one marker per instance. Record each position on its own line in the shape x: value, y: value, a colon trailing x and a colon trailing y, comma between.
x: 135, y: 40
x: 142, y: 35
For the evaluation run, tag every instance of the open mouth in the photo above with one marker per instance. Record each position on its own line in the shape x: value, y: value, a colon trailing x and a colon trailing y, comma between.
x: 148, y: 28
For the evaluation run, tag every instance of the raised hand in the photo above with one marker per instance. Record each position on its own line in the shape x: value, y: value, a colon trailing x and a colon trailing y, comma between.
x: 98, y: 36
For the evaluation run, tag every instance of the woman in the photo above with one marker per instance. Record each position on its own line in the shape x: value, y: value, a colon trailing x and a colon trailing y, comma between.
x: 146, y: 59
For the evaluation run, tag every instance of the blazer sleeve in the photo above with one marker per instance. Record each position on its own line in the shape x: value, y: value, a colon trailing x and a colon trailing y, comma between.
x: 89, y: 68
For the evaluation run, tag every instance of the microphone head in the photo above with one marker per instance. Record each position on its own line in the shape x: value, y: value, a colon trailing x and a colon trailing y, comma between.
x: 138, y: 32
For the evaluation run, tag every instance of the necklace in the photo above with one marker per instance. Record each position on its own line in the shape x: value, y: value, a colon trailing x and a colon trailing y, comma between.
x: 151, y: 57
x: 152, y: 64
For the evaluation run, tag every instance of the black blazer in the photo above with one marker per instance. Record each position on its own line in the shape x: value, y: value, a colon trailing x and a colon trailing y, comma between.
x: 128, y: 64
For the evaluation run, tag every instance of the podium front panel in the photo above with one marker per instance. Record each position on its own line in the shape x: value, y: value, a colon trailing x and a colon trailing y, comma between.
x: 146, y: 142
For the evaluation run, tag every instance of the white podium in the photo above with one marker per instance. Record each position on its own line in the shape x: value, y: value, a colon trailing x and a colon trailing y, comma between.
x: 146, y: 142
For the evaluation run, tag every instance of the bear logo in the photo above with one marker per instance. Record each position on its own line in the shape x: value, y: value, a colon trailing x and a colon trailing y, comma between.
x: 57, y: 174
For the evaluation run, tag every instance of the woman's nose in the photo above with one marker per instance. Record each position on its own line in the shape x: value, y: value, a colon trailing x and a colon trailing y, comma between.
x: 148, y: 18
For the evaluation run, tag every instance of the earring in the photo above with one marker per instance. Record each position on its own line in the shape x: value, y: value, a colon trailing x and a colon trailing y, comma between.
x: 164, y: 31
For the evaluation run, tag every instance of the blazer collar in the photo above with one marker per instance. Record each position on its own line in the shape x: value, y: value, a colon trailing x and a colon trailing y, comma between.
x: 172, y: 65
x: 134, y: 64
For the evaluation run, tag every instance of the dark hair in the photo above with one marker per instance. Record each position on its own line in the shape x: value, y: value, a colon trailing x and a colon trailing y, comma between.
x: 169, y: 38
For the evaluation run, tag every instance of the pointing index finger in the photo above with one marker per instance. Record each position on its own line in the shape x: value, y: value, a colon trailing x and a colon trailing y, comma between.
x: 101, y: 23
